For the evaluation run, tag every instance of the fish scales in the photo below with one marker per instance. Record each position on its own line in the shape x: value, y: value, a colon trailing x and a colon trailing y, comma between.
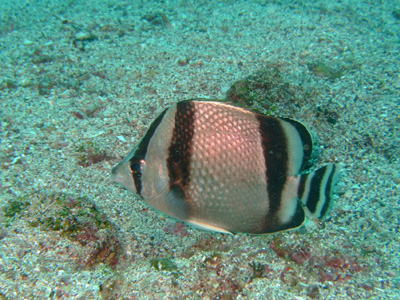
x: 224, y: 168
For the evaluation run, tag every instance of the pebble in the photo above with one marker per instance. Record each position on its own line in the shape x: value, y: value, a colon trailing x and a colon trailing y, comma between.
x: 28, y: 42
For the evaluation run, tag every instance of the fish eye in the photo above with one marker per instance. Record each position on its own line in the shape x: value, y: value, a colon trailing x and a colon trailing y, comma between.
x: 135, y: 167
x: 138, y: 166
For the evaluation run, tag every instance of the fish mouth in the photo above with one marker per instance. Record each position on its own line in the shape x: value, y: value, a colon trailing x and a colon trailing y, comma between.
x: 117, y: 174
x: 122, y: 175
x: 114, y: 171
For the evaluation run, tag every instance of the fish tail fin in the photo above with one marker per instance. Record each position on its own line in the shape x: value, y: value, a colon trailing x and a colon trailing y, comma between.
x: 316, y: 189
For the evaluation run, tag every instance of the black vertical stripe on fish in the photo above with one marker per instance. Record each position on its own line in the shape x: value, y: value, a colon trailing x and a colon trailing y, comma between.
x: 328, y: 190
x: 315, y: 188
x: 180, y: 150
x: 307, y: 143
x: 136, y: 171
x: 140, y: 153
x: 275, y: 152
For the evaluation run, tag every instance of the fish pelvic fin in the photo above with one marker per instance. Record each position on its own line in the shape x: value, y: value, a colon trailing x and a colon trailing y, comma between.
x: 315, y: 189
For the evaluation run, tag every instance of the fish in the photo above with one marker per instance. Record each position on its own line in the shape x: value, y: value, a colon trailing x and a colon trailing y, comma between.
x: 228, y: 169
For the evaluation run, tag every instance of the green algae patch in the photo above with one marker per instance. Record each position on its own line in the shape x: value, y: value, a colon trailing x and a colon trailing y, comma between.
x: 321, y: 69
x: 78, y: 220
x: 15, y: 207
x: 163, y: 264
x: 264, y: 89
x: 70, y: 216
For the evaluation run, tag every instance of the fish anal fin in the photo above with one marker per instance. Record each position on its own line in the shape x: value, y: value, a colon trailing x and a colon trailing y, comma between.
x: 208, y: 227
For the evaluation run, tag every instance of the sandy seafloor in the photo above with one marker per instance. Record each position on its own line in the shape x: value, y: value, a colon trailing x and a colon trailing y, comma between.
x: 80, y: 81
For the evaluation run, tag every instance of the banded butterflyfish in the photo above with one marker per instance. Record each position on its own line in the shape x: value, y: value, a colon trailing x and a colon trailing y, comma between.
x: 228, y: 169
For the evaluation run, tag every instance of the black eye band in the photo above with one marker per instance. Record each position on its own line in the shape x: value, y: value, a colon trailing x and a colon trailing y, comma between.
x: 137, y: 167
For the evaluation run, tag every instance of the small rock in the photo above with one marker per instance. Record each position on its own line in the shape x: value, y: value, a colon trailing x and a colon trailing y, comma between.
x: 28, y: 42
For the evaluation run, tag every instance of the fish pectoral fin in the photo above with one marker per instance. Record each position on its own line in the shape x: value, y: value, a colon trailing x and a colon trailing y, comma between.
x: 206, y: 226
x: 175, y: 203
